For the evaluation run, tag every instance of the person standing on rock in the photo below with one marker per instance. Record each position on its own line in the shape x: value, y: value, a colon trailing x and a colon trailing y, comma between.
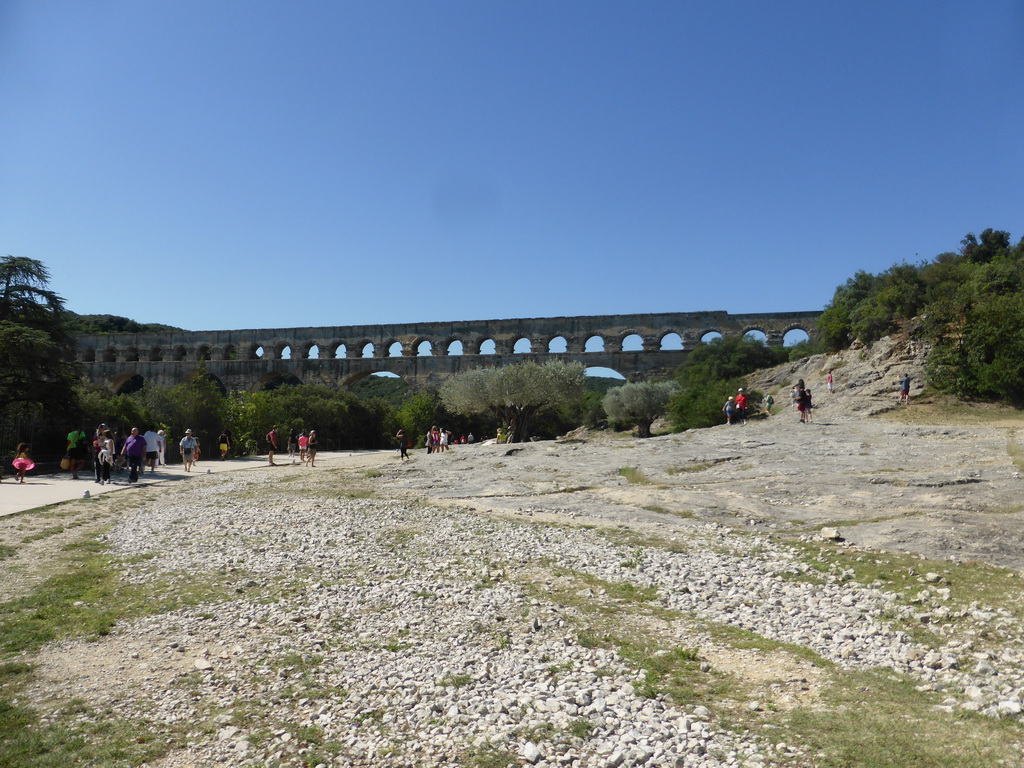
x: 808, y: 407
x: 741, y: 406
x: 272, y: 442
x: 767, y: 404
x: 828, y: 382
x: 905, y: 389
x: 800, y: 400
x: 728, y: 408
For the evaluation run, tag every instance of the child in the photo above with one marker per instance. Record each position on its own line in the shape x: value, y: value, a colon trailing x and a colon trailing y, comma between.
x: 23, y: 463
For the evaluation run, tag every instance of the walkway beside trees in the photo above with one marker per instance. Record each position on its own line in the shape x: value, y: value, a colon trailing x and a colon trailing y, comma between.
x: 46, y: 490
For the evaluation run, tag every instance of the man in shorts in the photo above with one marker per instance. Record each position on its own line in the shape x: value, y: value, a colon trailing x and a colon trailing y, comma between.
x: 152, y: 449
x: 187, y: 446
x: 905, y: 389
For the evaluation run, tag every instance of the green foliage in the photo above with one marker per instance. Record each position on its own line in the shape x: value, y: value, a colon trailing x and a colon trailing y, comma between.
x: 394, y: 391
x: 712, y: 373
x: 514, y: 393
x: 971, y: 305
x: 727, y: 358
x: 35, y: 345
x: 639, y: 403
x: 86, y: 324
x: 341, y: 419
x: 697, y: 407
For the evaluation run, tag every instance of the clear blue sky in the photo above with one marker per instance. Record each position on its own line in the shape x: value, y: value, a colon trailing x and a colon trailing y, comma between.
x: 214, y: 164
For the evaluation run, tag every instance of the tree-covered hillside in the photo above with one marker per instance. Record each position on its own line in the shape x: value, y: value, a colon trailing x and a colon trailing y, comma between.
x: 80, y: 324
x: 971, y: 305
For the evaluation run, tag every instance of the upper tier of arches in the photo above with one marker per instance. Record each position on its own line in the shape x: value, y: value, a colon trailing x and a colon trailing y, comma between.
x: 547, y: 336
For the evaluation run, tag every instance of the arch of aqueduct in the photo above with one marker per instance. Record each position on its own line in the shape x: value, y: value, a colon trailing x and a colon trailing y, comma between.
x: 338, y: 356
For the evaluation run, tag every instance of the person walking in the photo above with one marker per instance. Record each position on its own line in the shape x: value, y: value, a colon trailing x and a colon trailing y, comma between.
x: 403, y: 452
x: 767, y: 404
x: 905, y: 389
x: 152, y: 450
x: 77, y: 451
x: 161, y: 447
x: 135, y: 450
x: 311, y: 448
x: 105, y: 457
x: 828, y: 382
x: 272, y: 441
x: 97, y: 447
x: 187, y: 447
x: 23, y: 461
x: 729, y: 408
x: 741, y: 406
x: 222, y: 443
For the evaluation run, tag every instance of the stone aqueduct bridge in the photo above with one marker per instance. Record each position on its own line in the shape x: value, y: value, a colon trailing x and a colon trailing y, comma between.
x: 426, y: 353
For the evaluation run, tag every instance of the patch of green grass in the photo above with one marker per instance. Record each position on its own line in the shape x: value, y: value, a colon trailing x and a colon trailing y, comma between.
x: 457, y: 681
x: 43, y: 534
x: 968, y: 583
x: 931, y: 408
x: 874, y: 719
x: 7, y: 551
x: 697, y: 466
x: 89, y: 597
x: 581, y: 729
x: 490, y: 756
x: 76, y: 736
x: 373, y: 473
x: 358, y: 493
x: 634, y: 476
x: 1016, y: 452
x: 744, y: 639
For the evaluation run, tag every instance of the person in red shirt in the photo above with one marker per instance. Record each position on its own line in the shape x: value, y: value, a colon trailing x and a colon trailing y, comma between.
x: 741, y: 406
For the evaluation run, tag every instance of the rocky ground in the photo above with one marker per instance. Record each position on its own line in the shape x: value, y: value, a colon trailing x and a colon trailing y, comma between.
x: 531, y: 604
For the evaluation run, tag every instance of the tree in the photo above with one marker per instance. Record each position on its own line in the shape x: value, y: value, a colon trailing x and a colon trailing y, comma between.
x: 514, y: 393
x: 639, y: 402
x: 36, y: 349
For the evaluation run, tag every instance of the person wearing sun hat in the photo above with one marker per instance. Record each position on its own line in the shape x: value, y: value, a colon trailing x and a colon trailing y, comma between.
x: 188, y: 450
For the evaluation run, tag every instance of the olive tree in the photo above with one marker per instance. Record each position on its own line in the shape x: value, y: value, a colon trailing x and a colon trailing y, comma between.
x: 640, y: 403
x: 514, y: 393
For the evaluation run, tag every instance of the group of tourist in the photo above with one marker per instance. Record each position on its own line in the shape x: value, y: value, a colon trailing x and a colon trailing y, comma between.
x: 800, y: 396
x: 113, y: 451
x: 440, y: 440
x: 300, y: 444
x: 110, y: 451
x: 436, y: 441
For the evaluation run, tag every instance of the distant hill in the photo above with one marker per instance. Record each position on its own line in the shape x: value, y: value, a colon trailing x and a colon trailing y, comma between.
x: 82, y: 324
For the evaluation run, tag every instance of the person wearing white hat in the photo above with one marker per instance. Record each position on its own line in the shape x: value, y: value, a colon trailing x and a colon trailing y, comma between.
x: 741, y: 406
x: 188, y: 450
